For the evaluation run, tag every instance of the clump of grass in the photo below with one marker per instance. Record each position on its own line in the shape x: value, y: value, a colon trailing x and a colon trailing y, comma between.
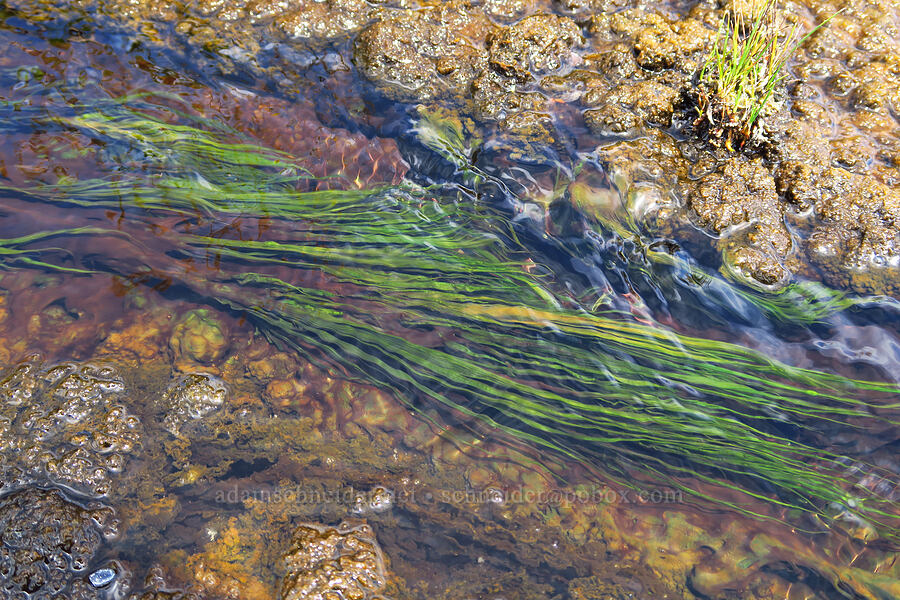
x: 744, y: 69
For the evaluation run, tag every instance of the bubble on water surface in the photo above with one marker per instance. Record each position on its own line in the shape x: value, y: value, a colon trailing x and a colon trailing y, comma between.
x: 102, y: 577
x: 46, y: 542
x: 378, y: 500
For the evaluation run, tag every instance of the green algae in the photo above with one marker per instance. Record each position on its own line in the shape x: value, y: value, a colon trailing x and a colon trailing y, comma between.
x: 620, y: 395
x: 20, y: 250
x: 199, y: 337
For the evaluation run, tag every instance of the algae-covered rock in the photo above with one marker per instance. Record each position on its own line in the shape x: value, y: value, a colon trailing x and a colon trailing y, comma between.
x: 856, y: 242
x: 318, y: 19
x: 628, y: 106
x: 495, y: 97
x: 333, y: 562
x: 421, y: 54
x: 666, y: 44
x: 611, y: 119
x: 454, y: 51
x: 739, y: 202
x: 860, y: 220
x: 505, y: 10
x: 191, y: 397
x: 65, y: 424
x: 199, y: 337
x: 534, y: 46
x: 47, y: 544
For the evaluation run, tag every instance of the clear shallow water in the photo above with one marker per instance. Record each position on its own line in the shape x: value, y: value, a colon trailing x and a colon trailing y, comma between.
x: 350, y: 329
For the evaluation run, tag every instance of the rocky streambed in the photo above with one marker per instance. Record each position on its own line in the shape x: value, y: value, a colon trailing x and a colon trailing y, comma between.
x: 155, y: 444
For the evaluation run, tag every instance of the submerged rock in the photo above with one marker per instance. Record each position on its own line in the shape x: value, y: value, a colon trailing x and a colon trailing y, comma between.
x: 327, y: 562
x: 199, y: 337
x: 47, y: 544
x: 65, y: 424
x: 191, y: 397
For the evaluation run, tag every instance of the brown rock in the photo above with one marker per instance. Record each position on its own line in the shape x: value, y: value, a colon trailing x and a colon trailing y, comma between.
x: 331, y: 562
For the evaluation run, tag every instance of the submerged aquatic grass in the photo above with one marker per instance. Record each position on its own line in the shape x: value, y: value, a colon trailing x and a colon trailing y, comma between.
x: 623, y: 397
x: 21, y: 250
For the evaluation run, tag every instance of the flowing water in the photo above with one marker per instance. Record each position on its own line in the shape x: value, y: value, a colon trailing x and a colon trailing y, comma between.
x: 249, y: 308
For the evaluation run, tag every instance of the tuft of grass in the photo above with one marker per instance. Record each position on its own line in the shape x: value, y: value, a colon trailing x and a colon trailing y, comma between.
x: 743, y: 70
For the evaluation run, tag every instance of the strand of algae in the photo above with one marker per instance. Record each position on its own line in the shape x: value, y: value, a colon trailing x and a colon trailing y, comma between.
x: 402, y: 260
x: 18, y: 250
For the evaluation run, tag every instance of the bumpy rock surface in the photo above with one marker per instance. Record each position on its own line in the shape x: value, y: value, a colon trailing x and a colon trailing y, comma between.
x: 621, y: 110
x: 191, y: 397
x: 741, y: 200
x: 47, y: 544
x: 421, y: 54
x: 857, y: 242
x: 199, y: 337
x: 327, y: 562
x: 454, y: 51
x: 534, y: 46
x: 64, y: 424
